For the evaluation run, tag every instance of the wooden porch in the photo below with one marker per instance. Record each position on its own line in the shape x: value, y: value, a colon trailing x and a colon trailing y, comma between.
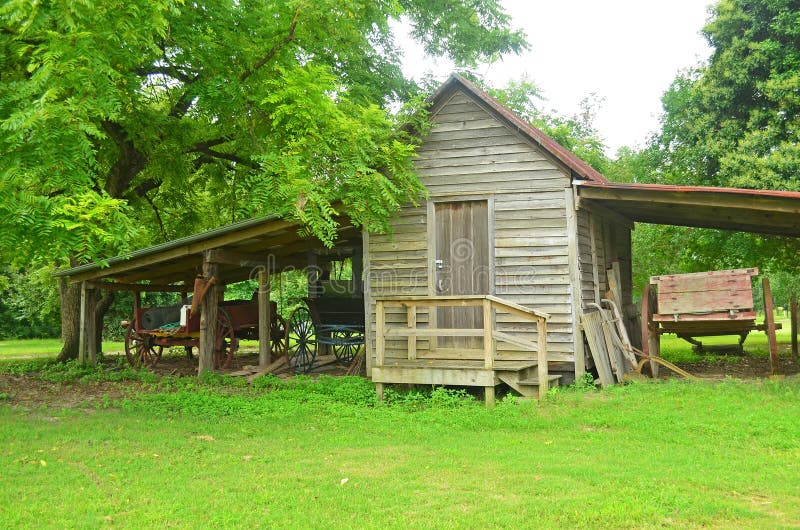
x: 477, y: 363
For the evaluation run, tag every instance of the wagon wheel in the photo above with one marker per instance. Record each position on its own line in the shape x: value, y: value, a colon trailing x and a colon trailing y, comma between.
x: 277, y: 336
x: 346, y: 345
x: 140, y: 349
x: 225, y: 343
x: 301, y: 341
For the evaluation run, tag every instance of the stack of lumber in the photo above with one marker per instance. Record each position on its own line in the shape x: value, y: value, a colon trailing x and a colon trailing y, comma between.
x: 251, y: 372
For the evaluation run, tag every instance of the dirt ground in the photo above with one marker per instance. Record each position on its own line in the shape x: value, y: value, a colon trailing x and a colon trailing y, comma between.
x: 30, y: 392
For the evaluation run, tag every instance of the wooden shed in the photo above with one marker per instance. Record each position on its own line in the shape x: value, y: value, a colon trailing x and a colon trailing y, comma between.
x: 461, y: 289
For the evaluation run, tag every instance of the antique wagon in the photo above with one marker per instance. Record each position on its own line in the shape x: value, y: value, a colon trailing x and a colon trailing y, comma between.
x: 704, y: 304
x: 154, y: 328
x: 333, y: 324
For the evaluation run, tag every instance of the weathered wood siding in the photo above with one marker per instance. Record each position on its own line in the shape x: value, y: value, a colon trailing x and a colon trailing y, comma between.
x: 469, y: 154
x: 612, y: 242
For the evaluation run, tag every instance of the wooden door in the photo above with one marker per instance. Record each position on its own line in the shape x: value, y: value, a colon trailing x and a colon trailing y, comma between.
x: 462, y: 265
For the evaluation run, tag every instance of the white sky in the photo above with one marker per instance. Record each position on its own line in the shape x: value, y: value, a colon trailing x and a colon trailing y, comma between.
x: 625, y: 51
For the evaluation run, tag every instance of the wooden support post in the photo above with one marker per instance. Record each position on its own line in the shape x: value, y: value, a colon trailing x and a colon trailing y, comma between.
x: 264, y: 318
x: 379, y: 391
x: 411, y: 317
x: 488, y: 394
x: 208, y: 320
x: 488, y: 338
x: 91, y: 327
x: 654, y: 348
x: 769, y: 316
x: 574, y: 283
x: 380, y: 337
x: 86, y: 331
x: 543, y: 372
x: 793, y: 318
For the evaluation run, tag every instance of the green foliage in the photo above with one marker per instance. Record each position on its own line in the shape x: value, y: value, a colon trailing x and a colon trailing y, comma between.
x: 169, y: 117
x: 28, y: 303
x: 731, y: 122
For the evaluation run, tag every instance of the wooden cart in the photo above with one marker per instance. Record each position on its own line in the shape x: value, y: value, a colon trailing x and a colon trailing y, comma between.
x: 326, y: 323
x: 154, y: 328
x: 704, y: 304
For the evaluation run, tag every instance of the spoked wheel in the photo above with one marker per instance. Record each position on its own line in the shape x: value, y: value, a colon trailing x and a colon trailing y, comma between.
x: 277, y: 336
x: 347, y: 344
x: 140, y: 350
x: 301, y: 341
x: 226, y: 342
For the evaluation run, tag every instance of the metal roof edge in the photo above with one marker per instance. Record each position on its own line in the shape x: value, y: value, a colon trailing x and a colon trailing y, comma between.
x: 167, y: 245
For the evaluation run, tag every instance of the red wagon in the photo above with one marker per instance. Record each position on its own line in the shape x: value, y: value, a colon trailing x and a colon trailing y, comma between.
x: 154, y: 328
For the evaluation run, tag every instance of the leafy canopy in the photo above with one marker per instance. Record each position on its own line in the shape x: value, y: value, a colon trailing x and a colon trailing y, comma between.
x: 122, y: 122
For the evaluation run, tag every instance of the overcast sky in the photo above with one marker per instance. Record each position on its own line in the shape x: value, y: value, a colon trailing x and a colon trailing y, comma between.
x: 625, y: 51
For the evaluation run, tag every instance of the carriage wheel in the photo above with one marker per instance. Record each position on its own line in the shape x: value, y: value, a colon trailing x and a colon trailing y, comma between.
x: 277, y: 336
x: 301, y: 341
x: 349, y: 347
x: 140, y: 349
x: 226, y: 342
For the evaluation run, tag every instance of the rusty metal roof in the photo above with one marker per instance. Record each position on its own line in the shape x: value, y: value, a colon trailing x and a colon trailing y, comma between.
x: 757, y: 211
x: 578, y: 167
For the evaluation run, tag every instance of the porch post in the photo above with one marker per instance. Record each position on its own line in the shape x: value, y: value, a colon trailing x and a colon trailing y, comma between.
x: 87, y: 340
x: 264, y: 318
x: 208, y: 319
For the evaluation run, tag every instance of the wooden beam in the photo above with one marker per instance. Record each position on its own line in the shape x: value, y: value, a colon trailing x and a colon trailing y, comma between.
x: 595, y: 271
x: 770, y: 318
x: 264, y: 318
x: 239, y: 259
x: 137, y: 287
x: 208, y: 322
x: 575, y: 283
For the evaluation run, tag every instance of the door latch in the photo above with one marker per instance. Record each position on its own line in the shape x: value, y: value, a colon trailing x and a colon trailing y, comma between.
x: 439, y: 263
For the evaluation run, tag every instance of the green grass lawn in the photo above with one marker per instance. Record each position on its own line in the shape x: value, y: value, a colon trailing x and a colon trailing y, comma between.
x: 32, y: 348
x: 304, y: 454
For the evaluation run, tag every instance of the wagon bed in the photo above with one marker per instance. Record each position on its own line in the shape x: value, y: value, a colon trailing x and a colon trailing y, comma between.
x: 704, y: 304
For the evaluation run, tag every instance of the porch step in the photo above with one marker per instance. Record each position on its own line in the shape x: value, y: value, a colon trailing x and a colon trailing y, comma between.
x: 534, y: 381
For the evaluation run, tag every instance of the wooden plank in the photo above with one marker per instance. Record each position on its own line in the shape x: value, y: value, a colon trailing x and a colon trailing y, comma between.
x: 434, y: 376
x: 411, y: 318
x: 428, y: 332
x: 519, y: 343
x: 380, y: 334
x: 137, y: 287
x: 674, y: 284
x: 592, y: 323
x: 264, y: 318
x: 595, y: 266
x: 704, y: 302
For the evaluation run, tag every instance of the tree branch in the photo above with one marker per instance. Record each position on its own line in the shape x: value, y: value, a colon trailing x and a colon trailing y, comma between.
x: 274, y: 50
x: 158, y: 217
x: 226, y: 156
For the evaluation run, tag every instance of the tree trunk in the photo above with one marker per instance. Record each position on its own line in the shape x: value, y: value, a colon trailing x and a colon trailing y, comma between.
x: 70, y: 319
x: 99, y: 314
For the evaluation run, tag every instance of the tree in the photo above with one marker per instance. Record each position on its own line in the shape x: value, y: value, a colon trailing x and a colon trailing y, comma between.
x: 125, y: 122
x: 733, y: 121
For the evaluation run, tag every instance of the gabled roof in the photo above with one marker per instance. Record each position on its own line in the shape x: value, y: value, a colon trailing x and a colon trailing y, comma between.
x: 579, y: 168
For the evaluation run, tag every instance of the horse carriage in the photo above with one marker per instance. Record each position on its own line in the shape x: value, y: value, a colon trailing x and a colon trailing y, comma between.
x: 154, y: 328
x: 327, y: 325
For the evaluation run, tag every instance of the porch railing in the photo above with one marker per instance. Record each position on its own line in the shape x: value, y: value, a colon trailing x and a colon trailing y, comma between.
x: 491, y: 306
